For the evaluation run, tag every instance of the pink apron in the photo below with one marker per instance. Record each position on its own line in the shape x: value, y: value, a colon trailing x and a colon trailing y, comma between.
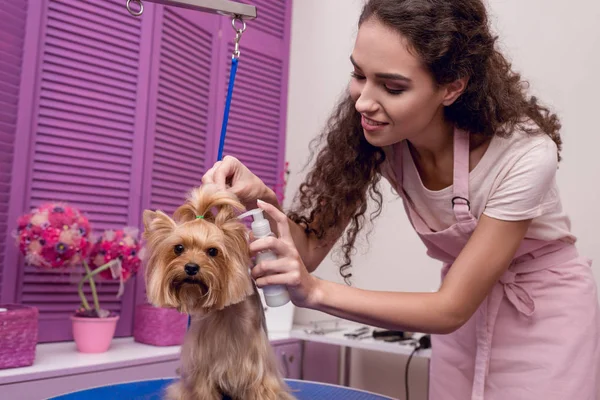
x: 536, y: 336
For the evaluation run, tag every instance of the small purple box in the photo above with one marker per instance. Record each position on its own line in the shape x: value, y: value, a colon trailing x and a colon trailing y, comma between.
x: 159, y: 326
x: 18, y: 335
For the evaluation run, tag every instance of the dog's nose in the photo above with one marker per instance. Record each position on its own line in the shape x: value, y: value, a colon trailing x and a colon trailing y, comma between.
x: 191, y: 269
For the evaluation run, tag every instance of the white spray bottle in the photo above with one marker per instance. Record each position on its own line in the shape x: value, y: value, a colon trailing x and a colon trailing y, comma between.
x: 275, y: 295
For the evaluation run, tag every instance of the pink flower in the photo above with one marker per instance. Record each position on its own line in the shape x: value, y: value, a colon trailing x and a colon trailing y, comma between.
x: 122, y: 245
x: 53, y: 235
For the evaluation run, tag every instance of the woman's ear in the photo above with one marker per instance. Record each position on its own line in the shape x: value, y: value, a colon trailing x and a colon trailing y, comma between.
x: 453, y: 90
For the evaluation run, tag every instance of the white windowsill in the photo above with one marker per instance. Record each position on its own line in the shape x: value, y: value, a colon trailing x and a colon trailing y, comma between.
x: 60, y: 359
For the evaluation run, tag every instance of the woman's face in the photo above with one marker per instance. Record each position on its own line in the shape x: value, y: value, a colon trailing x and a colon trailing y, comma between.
x: 393, y: 91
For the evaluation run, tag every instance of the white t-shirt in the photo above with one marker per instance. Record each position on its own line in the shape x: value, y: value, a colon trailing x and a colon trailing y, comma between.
x: 514, y: 180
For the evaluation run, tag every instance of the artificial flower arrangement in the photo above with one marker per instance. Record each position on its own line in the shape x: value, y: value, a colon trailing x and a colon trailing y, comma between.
x: 58, y: 236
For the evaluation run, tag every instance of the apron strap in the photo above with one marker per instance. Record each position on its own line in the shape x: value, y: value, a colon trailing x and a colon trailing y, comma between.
x: 461, y: 204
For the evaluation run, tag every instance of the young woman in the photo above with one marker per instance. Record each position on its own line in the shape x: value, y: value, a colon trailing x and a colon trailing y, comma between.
x: 434, y: 108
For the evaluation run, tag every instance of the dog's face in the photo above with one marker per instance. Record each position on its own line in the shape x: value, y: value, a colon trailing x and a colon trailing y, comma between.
x: 197, y: 264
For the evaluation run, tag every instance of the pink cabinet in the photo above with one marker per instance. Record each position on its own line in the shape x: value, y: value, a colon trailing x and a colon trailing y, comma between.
x: 309, y: 361
x: 289, y: 355
x: 321, y: 362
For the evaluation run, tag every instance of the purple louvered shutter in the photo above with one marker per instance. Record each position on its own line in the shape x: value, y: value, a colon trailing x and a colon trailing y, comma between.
x: 274, y: 18
x: 117, y: 114
x: 84, y: 140
x: 12, y: 37
x: 256, y: 130
x: 181, y: 108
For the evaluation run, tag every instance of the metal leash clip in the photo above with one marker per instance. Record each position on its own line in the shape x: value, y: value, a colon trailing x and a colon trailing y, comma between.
x: 238, y: 34
x: 139, y: 5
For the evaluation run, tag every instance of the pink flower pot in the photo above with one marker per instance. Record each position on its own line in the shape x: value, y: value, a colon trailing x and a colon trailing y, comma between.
x: 159, y: 326
x: 93, y: 335
x: 18, y: 335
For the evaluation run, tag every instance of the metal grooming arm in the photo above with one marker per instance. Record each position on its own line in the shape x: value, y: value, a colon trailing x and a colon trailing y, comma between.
x: 224, y: 7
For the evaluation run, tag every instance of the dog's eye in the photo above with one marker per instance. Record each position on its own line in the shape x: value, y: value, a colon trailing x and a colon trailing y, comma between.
x: 212, y: 252
x: 178, y: 249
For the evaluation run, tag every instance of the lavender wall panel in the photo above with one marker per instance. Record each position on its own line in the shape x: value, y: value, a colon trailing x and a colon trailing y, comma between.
x: 12, y: 37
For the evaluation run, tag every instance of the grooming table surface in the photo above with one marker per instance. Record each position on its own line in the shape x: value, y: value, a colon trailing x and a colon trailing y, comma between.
x: 152, y: 389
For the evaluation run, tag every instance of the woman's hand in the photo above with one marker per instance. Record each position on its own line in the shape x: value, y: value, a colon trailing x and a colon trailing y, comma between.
x: 288, y: 269
x: 243, y: 183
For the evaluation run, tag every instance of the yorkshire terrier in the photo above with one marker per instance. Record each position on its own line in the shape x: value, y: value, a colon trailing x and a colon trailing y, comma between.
x: 198, y: 262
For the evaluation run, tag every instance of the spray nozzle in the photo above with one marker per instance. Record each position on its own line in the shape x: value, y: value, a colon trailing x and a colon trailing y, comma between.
x: 257, y: 214
x: 260, y: 226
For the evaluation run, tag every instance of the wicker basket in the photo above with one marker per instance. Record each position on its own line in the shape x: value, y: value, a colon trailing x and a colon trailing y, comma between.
x: 18, y: 335
x: 159, y: 326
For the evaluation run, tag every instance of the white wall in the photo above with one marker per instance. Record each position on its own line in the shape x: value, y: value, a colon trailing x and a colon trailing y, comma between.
x: 556, y: 44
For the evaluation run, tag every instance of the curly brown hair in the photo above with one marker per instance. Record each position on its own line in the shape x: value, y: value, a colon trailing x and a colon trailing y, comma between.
x: 453, y: 40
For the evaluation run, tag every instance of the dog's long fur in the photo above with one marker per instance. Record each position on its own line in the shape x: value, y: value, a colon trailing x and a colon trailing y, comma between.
x: 226, y: 350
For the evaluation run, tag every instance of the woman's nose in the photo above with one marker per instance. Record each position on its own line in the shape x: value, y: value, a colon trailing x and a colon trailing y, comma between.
x: 366, y: 104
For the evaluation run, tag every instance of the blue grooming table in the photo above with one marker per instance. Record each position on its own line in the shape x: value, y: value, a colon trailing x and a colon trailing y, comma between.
x: 152, y: 389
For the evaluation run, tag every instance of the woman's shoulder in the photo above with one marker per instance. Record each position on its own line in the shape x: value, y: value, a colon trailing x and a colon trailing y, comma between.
x: 525, y: 138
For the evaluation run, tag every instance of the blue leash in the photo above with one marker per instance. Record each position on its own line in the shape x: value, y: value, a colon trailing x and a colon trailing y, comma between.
x: 234, y: 66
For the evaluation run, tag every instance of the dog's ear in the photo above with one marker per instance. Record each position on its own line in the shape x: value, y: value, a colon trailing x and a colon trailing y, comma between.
x: 236, y: 243
x: 157, y: 223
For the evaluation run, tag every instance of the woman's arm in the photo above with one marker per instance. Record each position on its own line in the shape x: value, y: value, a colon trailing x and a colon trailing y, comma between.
x: 480, y: 264
x: 483, y: 260
x: 312, y: 250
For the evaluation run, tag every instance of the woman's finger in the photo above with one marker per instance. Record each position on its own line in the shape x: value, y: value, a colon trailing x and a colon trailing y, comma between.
x: 291, y: 278
x: 282, y: 249
x: 281, y: 265
x: 208, y: 177
x: 280, y: 219
x: 226, y: 169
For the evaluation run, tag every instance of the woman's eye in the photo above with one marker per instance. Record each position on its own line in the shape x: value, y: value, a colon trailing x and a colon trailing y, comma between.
x: 394, y: 90
x: 391, y: 90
